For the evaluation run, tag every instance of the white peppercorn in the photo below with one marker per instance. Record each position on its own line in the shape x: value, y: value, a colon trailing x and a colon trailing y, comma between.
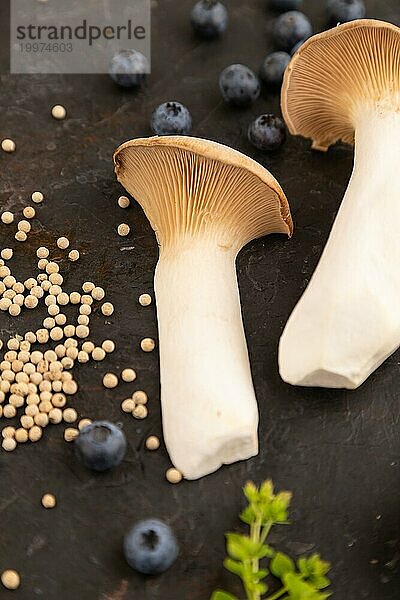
x: 128, y: 375
x: 37, y: 197
x: 63, y: 243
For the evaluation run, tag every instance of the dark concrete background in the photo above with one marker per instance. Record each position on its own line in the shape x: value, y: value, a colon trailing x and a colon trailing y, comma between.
x: 338, y: 451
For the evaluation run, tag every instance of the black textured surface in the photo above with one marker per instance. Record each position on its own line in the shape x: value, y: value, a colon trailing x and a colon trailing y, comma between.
x: 337, y: 450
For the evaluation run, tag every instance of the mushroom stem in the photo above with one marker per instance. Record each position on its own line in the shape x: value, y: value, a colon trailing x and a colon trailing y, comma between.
x: 348, y: 320
x: 209, y: 409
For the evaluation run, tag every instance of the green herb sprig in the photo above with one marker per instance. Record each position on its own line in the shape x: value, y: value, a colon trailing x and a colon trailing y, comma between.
x: 301, y: 580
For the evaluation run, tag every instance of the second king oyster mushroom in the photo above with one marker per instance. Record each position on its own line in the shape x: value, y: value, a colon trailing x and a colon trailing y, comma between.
x: 344, y: 84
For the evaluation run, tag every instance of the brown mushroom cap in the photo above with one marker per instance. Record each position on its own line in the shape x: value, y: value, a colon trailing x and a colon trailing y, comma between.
x: 188, y: 185
x: 335, y: 73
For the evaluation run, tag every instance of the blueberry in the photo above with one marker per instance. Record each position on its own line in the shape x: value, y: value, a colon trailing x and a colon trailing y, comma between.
x: 128, y: 68
x: 284, y: 5
x: 209, y: 18
x: 273, y: 69
x: 150, y: 547
x: 171, y: 118
x: 101, y: 446
x: 239, y: 85
x: 290, y: 28
x: 342, y: 11
x: 267, y: 132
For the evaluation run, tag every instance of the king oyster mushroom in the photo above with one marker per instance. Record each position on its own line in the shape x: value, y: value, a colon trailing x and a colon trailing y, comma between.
x: 205, y: 201
x: 344, y: 84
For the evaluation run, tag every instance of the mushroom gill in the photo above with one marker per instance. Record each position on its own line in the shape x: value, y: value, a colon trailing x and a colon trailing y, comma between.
x: 337, y: 73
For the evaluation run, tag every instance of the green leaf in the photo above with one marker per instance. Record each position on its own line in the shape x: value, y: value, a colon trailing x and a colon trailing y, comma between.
x: 278, y: 509
x: 269, y: 551
x: 248, y: 515
x: 236, y: 546
x: 233, y: 566
x: 301, y: 590
x: 250, y: 491
x: 314, y: 569
x: 261, y: 574
x: 320, y: 582
x: 302, y: 565
x: 266, y: 492
x: 221, y: 595
x: 261, y: 588
x: 281, y: 564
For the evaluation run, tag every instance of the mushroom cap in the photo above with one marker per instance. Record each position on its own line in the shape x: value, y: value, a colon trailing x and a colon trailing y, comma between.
x: 335, y: 74
x: 187, y: 185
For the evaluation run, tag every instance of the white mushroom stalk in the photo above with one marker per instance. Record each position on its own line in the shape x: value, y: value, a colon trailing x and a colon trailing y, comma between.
x: 342, y: 84
x: 204, y: 201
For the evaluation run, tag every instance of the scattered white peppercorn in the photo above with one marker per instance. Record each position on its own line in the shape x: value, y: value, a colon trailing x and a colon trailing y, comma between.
x: 108, y: 346
x: 86, y: 300
x: 128, y: 375
x: 107, y: 309
x: 88, y: 347
x: 145, y: 299
x: 8, y: 432
x: 24, y: 226
x: 9, y: 444
x: 70, y: 387
x: 6, y: 253
x: 8, y: 145
x: 10, y: 579
x: 35, y: 433
x: 128, y: 405
x: 56, y: 334
x: 21, y: 236
x: 70, y: 434
x: 62, y: 299
x: 55, y: 416
x: 29, y: 212
x: 83, y: 423
x: 7, y: 217
x: 140, y: 397
x: 173, y: 475
x: 82, y: 331
x: 85, y: 309
x: 152, y: 442
x: 49, y: 500
x: 147, y: 344
x: 21, y: 436
x: 60, y: 319
x: 59, y: 112
x: 123, y: 202
x: 14, y: 310
x: 52, y: 267
x: 88, y: 286
x: 123, y: 229
x: 73, y: 255
x: 70, y: 415
x: 37, y: 197
x: 63, y: 243
x: 140, y: 411
x: 83, y: 357
x: 98, y: 293
x: 42, y: 252
x: 98, y: 354
x: 110, y: 380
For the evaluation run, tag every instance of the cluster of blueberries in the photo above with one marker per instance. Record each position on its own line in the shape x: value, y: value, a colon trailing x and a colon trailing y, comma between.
x: 150, y: 546
x: 239, y: 85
